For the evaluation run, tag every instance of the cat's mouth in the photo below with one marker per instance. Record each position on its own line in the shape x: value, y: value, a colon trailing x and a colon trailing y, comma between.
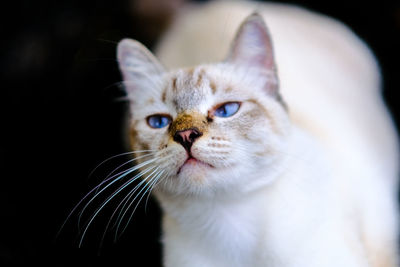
x: 192, y: 161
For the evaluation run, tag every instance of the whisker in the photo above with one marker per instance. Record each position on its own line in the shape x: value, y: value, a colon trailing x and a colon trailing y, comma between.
x: 108, y: 200
x: 147, y: 187
x: 120, y: 166
x: 106, y: 41
x: 119, y: 177
x: 125, y: 200
x: 152, y: 186
x: 95, y: 189
x: 129, y: 161
x: 125, y: 210
x: 157, y: 182
x: 119, y: 155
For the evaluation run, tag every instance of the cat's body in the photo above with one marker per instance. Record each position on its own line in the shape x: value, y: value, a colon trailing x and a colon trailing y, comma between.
x: 313, y: 185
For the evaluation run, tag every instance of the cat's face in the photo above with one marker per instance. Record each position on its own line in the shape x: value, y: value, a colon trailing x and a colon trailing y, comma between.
x: 208, y: 129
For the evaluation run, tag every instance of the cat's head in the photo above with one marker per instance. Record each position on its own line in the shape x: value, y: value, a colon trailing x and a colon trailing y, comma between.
x: 211, y: 128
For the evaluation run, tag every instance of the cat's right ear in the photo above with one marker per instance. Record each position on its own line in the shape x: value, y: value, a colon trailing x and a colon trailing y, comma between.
x: 136, y: 62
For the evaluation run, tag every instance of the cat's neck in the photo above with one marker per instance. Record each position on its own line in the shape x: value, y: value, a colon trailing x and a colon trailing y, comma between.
x: 241, y: 219
x: 218, y: 225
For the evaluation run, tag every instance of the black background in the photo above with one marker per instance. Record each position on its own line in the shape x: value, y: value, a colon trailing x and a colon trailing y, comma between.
x: 60, y: 117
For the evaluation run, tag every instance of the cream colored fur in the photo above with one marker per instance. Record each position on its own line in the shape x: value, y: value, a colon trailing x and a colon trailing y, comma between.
x: 315, y: 186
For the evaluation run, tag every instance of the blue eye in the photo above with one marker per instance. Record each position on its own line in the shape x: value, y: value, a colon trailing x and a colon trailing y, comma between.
x: 158, y: 121
x: 227, y: 109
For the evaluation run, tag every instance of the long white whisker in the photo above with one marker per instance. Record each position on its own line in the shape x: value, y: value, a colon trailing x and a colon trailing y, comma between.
x: 95, y: 189
x: 156, y: 182
x: 127, y: 198
x: 119, y: 155
x: 125, y: 201
x: 132, y: 193
x: 147, y: 187
x: 108, y: 200
x: 125, y: 173
x: 120, y: 166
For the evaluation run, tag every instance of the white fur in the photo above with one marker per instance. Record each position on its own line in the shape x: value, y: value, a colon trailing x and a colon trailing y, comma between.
x: 332, y: 200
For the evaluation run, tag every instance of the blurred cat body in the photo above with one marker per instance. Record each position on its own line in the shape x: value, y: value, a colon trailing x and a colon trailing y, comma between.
x: 310, y: 185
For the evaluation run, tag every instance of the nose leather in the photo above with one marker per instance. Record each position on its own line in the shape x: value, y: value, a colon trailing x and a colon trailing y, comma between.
x: 187, y: 128
x: 187, y: 137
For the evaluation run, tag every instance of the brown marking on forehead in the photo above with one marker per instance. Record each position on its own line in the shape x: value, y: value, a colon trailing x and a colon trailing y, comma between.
x: 228, y: 89
x: 200, y: 77
x: 190, y: 71
x: 164, y: 95
x: 189, y: 120
x: 213, y: 87
x: 174, y: 89
x: 267, y: 114
x: 150, y: 101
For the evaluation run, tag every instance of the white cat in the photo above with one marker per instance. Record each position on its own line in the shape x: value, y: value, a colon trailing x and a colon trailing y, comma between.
x: 271, y: 157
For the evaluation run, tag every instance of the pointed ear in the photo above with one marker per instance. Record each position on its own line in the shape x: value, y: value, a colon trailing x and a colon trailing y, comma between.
x: 136, y: 62
x: 252, y: 47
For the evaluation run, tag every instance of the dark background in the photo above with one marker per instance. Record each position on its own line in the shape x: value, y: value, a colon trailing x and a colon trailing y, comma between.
x: 60, y: 117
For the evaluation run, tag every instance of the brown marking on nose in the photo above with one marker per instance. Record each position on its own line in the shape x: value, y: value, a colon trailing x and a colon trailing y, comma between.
x: 189, y: 121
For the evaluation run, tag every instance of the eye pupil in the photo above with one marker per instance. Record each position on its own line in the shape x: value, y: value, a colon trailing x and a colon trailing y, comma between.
x: 227, y: 109
x: 222, y: 110
x: 158, y: 121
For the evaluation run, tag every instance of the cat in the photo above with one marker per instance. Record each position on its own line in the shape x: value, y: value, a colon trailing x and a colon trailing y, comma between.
x: 280, y: 154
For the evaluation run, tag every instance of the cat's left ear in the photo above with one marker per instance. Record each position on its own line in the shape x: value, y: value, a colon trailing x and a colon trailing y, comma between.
x: 252, y: 47
x: 136, y: 62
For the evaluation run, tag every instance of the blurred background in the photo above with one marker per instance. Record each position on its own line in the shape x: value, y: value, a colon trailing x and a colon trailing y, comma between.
x: 62, y: 115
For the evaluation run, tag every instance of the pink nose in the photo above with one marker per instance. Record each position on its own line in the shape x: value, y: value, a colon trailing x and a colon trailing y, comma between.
x: 187, y: 137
